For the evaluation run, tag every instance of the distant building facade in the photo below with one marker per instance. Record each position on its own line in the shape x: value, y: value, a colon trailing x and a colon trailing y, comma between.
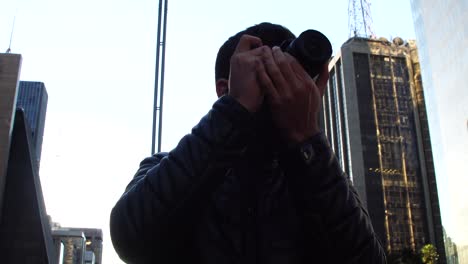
x: 450, y: 250
x: 70, y: 246
x: 442, y: 35
x: 374, y: 116
x: 77, y: 245
x: 32, y: 97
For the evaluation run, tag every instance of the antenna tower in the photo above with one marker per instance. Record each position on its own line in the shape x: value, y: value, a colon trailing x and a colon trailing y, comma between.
x: 360, y: 19
x: 11, y: 35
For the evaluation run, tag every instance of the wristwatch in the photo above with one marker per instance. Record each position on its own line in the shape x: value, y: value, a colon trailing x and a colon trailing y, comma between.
x: 314, y: 149
x: 308, y: 153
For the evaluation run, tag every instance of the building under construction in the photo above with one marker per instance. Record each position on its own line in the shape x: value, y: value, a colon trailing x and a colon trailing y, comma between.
x: 375, y: 118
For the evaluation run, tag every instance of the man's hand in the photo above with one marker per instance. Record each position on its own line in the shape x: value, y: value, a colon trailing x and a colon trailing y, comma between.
x: 294, y: 98
x: 246, y: 66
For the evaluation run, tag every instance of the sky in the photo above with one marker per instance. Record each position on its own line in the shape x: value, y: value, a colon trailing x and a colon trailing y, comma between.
x: 97, y: 60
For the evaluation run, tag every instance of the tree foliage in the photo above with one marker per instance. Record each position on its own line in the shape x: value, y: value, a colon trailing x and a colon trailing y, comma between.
x: 429, y: 254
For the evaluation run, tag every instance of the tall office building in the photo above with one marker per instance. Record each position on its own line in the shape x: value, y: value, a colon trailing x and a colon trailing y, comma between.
x: 32, y: 97
x: 10, y: 66
x: 374, y: 116
x: 442, y: 34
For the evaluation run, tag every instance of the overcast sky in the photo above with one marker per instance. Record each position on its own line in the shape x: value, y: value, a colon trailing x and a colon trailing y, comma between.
x: 97, y: 60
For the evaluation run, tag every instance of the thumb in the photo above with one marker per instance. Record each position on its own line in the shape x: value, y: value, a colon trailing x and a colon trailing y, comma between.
x: 323, y: 79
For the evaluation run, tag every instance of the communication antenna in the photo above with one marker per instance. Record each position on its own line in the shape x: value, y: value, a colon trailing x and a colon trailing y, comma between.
x: 360, y: 19
x: 159, y: 75
x: 11, y: 35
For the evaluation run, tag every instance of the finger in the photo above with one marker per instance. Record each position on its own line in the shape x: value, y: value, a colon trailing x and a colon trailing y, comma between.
x: 323, y: 79
x: 247, y: 43
x: 299, y: 71
x: 284, y: 61
x: 250, y: 57
x: 274, y: 70
x: 267, y: 84
x: 259, y: 52
x: 304, y: 82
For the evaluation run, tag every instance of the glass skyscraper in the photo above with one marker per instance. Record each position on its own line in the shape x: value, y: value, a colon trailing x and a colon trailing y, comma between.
x: 375, y: 118
x: 442, y: 33
x: 32, y: 97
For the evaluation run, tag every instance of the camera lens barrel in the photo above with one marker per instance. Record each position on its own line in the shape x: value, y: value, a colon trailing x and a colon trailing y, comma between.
x: 312, y: 49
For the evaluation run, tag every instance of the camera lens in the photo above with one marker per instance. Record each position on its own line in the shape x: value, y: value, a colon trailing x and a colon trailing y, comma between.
x: 312, y: 49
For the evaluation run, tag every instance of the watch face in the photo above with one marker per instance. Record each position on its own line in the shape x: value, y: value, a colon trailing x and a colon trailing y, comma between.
x: 308, y: 153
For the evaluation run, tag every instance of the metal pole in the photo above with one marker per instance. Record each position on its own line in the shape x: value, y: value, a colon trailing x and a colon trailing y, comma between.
x: 162, y: 77
x: 156, y: 79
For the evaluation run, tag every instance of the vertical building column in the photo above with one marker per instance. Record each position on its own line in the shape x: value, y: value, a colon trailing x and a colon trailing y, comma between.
x: 10, y: 65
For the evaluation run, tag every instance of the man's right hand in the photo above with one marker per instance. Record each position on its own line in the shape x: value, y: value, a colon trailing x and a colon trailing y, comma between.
x: 246, y: 67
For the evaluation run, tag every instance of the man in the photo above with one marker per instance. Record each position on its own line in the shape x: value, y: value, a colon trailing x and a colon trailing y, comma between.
x: 255, y: 181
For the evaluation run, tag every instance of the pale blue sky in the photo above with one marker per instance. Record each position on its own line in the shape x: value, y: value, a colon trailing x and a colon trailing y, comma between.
x: 96, y: 59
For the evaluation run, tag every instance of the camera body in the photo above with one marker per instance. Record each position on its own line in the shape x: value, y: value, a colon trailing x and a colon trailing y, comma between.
x: 312, y: 49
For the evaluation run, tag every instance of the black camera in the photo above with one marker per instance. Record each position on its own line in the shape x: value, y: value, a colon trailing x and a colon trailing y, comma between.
x: 312, y: 49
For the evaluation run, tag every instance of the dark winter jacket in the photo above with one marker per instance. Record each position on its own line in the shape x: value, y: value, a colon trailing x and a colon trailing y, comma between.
x: 221, y: 196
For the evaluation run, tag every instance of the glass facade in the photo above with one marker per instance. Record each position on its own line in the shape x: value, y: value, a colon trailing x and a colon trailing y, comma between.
x: 335, y: 122
x: 32, y: 97
x: 374, y: 116
x: 442, y: 33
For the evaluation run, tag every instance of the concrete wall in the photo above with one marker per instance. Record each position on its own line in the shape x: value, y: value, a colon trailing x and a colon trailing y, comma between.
x: 10, y: 65
x: 25, y: 235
